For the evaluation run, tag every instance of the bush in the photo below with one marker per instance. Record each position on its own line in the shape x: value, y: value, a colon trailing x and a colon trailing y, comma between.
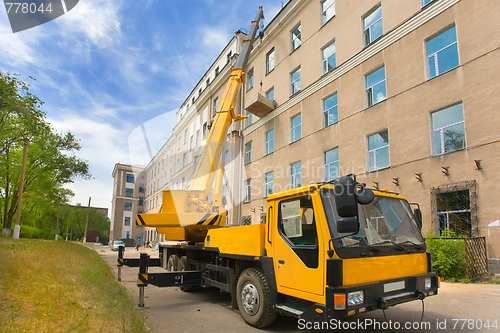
x: 448, y: 255
x: 33, y: 232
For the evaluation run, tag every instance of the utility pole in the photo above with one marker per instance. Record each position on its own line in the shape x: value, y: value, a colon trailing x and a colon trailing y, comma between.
x: 86, y: 223
x: 17, y: 228
x: 57, y: 221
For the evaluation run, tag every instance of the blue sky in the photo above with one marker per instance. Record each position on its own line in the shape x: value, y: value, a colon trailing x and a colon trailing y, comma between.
x: 108, y: 66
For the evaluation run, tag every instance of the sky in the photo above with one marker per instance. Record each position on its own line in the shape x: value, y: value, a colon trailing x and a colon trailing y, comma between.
x: 108, y: 66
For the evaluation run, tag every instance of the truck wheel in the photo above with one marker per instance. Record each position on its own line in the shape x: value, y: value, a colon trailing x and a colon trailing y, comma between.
x: 172, y: 263
x: 252, y: 293
x: 182, y: 266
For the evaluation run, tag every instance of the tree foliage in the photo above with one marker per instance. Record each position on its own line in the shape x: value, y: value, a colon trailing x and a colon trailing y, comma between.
x: 51, y: 160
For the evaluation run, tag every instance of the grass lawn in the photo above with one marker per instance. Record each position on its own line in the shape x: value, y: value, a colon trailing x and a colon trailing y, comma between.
x: 59, y: 286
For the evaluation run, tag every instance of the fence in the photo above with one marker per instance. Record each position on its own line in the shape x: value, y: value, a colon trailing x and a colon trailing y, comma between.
x: 476, y: 260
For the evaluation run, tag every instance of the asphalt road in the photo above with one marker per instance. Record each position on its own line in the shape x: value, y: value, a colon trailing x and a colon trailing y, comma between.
x: 457, y: 308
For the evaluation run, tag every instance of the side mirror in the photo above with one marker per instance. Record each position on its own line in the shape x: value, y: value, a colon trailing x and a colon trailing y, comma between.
x: 345, y: 201
x: 348, y: 225
x: 364, y: 195
x: 418, y: 215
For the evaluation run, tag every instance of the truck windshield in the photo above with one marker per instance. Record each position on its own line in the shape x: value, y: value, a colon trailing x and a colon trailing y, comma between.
x: 387, y: 227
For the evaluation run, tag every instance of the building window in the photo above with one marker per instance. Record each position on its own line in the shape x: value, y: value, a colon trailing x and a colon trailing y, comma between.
x: 373, y: 25
x: 448, y: 130
x: 442, y: 53
x: 270, y: 61
x: 426, y: 2
x: 249, y: 118
x: 296, y: 180
x: 178, y: 165
x: 205, y: 130
x: 454, y: 212
x: 182, y: 183
x: 184, y: 159
x: 208, y: 82
x: 130, y: 178
x: 216, y: 105
x: 331, y: 112
x: 375, y: 87
x: 270, y: 94
x: 327, y: 10
x: 268, y: 184
x: 269, y: 142
x: 248, y: 190
x: 248, y: 152
x: 329, y: 58
x: 185, y: 136
x: 191, y: 141
x: 250, y: 79
x: 296, y: 37
x: 192, y: 100
x: 199, y: 92
x: 296, y: 129
x: 331, y: 164
x: 127, y: 206
x: 142, y: 188
x: 141, y: 201
x: 127, y: 222
x: 378, y: 151
x: 179, y: 143
x: 229, y: 55
x: 295, y: 81
x: 129, y: 192
x: 217, y: 71
x: 197, y: 138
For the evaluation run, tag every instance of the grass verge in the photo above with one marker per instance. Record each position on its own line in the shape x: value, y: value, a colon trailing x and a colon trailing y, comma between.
x: 58, y: 286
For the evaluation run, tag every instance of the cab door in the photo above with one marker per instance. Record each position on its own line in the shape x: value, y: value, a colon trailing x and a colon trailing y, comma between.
x: 298, y: 253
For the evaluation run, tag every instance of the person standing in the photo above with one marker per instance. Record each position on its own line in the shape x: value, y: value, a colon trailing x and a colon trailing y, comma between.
x: 137, y: 244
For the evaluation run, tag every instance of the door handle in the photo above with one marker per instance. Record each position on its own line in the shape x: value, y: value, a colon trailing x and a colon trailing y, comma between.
x: 281, y: 262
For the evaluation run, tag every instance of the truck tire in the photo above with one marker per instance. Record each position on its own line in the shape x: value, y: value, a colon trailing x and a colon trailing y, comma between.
x: 252, y: 294
x: 172, y: 263
x: 182, y: 266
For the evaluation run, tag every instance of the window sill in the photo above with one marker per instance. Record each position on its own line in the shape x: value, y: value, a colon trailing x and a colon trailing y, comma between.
x: 373, y: 105
x: 292, y: 142
x: 440, y: 74
x: 447, y: 153
x: 326, y: 22
x: 381, y: 169
x: 270, y: 71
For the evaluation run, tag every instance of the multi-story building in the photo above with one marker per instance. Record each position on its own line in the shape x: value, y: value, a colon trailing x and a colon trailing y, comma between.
x: 128, y: 200
x: 398, y: 93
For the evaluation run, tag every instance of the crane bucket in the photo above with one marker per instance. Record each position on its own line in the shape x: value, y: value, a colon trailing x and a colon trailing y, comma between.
x: 183, y: 215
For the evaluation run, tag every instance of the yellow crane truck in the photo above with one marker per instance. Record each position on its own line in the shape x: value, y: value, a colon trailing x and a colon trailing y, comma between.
x: 326, y: 251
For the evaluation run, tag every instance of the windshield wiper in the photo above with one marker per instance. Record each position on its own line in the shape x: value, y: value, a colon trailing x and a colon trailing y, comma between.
x: 374, y: 249
x: 391, y: 242
x: 410, y: 242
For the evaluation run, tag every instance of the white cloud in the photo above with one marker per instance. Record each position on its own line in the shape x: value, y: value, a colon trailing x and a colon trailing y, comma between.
x: 214, y: 38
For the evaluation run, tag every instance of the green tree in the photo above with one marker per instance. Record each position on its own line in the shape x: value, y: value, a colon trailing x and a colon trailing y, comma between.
x: 97, y: 222
x: 51, y: 161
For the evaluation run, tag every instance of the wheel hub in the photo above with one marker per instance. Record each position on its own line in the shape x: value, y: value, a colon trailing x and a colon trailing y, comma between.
x: 250, y: 299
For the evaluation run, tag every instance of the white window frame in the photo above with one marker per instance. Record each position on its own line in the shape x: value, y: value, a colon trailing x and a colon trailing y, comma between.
x: 425, y: 4
x: 435, y: 54
x: 324, y: 17
x: 248, y: 190
x: 293, y: 83
x: 267, y: 94
x: 250, y: 78
x: 326, y: 112
x: 375, y: 154
x: 295, y: 176
x: 441, y: 132
x: 295, y: 37
x: 371, y: 25
x: 216, y: 105
x: 270, y: 61
x: 327, y: 166
x: 269, y: 149
x: 325, y: 60
x: 248, y: 152
x: 268, y: 184
x: 295, y: 129
x: 369, y: 89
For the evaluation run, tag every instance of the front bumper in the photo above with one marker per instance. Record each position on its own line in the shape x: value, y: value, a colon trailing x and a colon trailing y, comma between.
x: 377, y: 295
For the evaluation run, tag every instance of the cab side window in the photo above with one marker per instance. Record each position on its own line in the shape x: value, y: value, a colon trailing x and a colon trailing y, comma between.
x: 297, y: 226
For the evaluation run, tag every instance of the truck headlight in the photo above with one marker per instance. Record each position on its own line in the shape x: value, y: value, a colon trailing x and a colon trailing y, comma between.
x: 428, y: 283
x: 355, y: 298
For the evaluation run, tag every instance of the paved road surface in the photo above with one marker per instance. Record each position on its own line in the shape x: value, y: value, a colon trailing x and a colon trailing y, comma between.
x: 208, y: 310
